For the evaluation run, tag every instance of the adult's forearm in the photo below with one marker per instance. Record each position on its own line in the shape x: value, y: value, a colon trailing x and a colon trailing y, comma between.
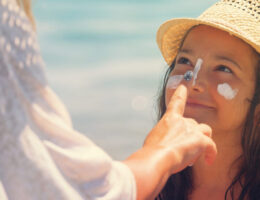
x: 151, y: 167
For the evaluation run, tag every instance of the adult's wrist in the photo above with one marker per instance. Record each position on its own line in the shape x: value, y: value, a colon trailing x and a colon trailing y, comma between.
x: 151, y: 165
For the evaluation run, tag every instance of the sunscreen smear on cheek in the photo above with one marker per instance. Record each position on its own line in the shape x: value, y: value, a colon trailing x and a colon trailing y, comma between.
x: 174, y: 81
x: 226, y: 91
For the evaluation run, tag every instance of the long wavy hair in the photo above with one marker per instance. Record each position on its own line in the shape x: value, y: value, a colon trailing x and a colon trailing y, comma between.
x: 26, y: 5
x: 179, y: 186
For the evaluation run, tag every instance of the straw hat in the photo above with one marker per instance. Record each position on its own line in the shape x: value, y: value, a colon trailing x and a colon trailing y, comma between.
x: 240, y: 18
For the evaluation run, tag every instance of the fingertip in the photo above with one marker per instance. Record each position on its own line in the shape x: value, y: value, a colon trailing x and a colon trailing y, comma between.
x: 181, y: 90
x: 210, y: 159
x: 206, y: 129
x: 211, y: 155
x: 178, y: 100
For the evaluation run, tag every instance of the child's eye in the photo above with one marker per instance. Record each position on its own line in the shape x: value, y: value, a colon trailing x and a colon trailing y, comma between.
x: 224, y: 69
x: 183, y: 60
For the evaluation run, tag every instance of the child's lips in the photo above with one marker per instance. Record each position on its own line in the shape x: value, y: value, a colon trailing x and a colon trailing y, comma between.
x: 198, y: 104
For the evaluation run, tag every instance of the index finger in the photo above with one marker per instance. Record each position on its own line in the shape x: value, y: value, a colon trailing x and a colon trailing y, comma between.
x: 178, y: 100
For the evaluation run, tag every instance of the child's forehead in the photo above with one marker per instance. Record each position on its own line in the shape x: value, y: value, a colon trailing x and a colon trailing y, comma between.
x: 208, y: 40
x: 210, y: 37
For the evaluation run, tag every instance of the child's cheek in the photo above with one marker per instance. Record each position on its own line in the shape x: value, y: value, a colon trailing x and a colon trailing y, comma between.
x: 226, y: 91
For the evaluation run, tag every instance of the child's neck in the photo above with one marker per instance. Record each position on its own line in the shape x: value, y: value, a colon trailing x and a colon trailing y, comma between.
x: 220, y: 174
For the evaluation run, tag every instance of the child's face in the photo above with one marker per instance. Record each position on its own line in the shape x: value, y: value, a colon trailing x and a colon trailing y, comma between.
x: 225, y: 83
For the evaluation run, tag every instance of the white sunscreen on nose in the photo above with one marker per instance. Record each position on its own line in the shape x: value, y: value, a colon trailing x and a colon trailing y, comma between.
x: 174, y: 81
x: 196, y: 70
x: 226, y: 91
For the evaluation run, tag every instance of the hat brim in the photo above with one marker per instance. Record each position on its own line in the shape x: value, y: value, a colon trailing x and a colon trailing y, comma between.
x: 170, y: 35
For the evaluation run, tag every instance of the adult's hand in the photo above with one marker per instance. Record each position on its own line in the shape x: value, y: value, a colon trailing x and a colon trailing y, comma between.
x: 173, y: 144
x: 183, y: 137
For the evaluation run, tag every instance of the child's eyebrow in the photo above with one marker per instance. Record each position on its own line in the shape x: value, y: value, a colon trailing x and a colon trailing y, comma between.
x: 189, y: 51
x: 221, y: 57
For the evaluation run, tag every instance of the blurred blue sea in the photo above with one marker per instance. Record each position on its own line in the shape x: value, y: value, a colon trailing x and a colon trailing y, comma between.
x: 102, y: 60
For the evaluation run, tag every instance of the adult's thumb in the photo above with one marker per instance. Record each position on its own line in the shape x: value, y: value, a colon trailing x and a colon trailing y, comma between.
x: 178, y: 101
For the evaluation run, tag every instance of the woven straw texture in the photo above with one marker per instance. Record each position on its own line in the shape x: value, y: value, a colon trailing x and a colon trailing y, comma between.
x: 240, y: 18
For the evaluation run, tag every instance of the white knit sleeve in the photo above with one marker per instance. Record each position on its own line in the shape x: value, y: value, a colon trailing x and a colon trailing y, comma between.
x: 96, y: 174
x: 32, y: 118
x: 117, y: 184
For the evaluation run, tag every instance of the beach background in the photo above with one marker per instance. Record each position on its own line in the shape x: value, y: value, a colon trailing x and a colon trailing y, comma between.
x: 103, y: 62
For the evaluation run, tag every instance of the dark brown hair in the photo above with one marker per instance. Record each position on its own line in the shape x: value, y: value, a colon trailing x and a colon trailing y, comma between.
x: 179, y: 186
